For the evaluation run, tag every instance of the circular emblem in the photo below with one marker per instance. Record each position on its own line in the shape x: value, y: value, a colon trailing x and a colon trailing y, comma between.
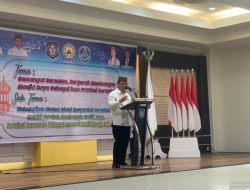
x: 84, y: 53
x: 69, y: 51
x: 52, y: 49
x: 141, y: 113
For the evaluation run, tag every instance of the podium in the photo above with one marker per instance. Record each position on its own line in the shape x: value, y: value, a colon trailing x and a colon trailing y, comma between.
x: 140, y: 106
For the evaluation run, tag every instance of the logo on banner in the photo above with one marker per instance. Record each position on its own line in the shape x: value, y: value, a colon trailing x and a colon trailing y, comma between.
x: 52, y: 49
x: 84, y: 53
x: 141, y: 113
x: 69, y: 52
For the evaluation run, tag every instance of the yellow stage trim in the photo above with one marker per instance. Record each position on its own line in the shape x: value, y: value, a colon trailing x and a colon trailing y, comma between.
x: 14, y: 165
x: 64, y: 152
x: 105, y: 158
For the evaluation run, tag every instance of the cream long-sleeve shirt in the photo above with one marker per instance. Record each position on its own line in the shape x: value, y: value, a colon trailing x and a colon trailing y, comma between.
x: 119, y: 117
x: 17, y: 52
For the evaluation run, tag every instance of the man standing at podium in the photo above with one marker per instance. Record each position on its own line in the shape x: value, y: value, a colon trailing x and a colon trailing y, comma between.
x: 120, y: 122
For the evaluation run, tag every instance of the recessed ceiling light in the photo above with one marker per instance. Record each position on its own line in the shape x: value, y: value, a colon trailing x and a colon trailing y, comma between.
x: 211, y: 8
x: 230, y: 12
x: 173, y: 9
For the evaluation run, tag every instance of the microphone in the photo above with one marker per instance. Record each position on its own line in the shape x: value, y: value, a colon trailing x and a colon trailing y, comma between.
x: 129, y: 88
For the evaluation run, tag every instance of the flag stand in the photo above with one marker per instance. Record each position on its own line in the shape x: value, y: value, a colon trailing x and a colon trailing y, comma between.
x: 184, y: 147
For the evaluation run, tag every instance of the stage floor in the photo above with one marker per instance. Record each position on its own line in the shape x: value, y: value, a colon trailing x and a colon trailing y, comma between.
x: 81, y: 173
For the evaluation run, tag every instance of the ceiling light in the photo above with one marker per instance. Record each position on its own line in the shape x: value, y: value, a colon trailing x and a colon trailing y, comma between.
x: 172, y: 9
x: 230, y: 13
x: 211, y: 8
x: 120, y: 1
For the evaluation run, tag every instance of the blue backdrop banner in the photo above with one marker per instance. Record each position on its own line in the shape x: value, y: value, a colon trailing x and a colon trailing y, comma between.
x: 56, y: 87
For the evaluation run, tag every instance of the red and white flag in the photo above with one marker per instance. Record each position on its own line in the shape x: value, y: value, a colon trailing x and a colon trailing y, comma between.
x: 197, y: 119
x: 184, y: 105
x: 172, y: 117
x: 178, y: 104
x: 191, y: 126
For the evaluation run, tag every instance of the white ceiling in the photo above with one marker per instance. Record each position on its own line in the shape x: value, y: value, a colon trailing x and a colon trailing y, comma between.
x: 196, y: 13
x: 132, y: 23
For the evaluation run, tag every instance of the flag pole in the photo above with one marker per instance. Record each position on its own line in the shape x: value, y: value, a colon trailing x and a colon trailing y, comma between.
x: 178, y: 133
x: 172, y: 71
x: 188, y: 127
x: 183, y: 135
x: 192, y: 71
x: 148, y: 55
x: 172, y: 132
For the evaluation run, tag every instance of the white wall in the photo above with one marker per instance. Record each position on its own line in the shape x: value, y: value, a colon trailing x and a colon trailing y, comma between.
x: 16, y: 152
x: 229, y: 78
